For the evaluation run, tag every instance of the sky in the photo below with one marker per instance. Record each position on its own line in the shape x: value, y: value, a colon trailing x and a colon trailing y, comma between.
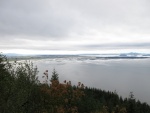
x: 74, y: 26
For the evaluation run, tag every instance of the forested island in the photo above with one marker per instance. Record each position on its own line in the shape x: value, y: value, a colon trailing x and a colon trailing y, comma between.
x: 21, y: 92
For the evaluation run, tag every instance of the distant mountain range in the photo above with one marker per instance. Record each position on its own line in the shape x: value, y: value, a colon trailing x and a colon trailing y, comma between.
x: 134, y: 54
x: 131, y: 54
x: 13, y: 54
x: 122, y: 55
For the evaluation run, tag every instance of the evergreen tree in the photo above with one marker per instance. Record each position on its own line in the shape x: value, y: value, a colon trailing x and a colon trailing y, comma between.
x: 19, y: 92
x: 54, y: 75
x: 131, y: 103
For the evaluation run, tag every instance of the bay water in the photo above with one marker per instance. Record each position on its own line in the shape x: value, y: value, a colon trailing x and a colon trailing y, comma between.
x: 120, y: 75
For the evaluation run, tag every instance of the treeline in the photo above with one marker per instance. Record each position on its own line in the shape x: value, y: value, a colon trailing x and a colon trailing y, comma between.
x: 21, y: 92
x: 100, y: 101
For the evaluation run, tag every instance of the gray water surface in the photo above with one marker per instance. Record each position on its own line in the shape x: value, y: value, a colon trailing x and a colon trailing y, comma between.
x: 122, y: 75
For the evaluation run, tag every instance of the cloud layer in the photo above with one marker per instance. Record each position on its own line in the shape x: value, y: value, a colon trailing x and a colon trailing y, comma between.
x: 74, y: 25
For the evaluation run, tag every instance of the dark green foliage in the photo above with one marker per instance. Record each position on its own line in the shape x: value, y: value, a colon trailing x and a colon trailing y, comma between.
x: 54, y: 75
x: 18, y: 87
x: 5, y: 83
x: 98, y: 100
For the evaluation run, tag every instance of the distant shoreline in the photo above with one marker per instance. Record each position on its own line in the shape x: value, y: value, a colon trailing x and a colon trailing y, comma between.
x: 93, y: 57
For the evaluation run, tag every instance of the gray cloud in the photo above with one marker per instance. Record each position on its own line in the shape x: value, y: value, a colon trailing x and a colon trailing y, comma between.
x: 74, y: 20
x: 33, y: 18
x: 126, y: 14
x: 119, y: 45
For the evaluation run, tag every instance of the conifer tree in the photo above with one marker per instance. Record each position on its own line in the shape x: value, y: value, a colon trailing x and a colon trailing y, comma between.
x: 54, y: 75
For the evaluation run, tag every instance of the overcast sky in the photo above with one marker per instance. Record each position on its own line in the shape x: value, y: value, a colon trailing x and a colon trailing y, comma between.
x: 74, y: 26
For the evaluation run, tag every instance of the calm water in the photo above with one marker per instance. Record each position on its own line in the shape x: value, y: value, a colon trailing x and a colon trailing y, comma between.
x: 122, y: 75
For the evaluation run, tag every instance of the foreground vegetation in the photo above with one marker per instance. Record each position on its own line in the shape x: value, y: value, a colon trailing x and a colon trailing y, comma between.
x: 21, y: 92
